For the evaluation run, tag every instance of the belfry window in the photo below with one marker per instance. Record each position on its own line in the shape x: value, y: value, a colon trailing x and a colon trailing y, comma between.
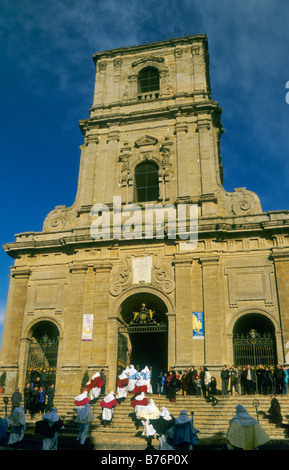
x: 148, y: 83
x: 146, y: 182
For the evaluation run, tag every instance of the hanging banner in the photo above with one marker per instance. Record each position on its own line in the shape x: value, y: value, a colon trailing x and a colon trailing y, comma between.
x: 87, y: 327
x: 198, y: 325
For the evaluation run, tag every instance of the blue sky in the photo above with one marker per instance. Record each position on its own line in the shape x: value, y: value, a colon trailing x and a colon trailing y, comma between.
x: 47, y: 81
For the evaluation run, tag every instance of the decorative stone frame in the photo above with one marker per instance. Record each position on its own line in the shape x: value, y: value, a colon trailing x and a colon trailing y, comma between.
x: 137, y: 66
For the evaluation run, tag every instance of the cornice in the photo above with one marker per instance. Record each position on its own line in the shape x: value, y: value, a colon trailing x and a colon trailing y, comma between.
x: 133, y: 49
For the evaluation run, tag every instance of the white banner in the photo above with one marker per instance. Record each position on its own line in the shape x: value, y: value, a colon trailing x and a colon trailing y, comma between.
x: 87, y: 327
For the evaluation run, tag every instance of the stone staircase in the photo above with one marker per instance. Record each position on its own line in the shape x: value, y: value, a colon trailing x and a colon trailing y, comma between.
x: 121, y: 434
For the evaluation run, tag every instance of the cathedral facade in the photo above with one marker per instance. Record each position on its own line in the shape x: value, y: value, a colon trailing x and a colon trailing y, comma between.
x: 155, y: 263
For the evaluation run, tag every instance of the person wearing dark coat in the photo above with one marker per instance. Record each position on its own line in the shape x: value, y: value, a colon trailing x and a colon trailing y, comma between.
x: 27, y: 397
x: 193, y: 380
x: 173, y: 386
x: 274, y: 412
x: 268, y: 381
x: 185, y: 381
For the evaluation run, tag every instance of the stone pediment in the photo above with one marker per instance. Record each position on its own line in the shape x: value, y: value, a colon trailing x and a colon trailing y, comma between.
x: 146, y: 140
x: 145, y: 60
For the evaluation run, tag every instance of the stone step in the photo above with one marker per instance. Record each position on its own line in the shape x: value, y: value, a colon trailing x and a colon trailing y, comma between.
x: 122, y: 433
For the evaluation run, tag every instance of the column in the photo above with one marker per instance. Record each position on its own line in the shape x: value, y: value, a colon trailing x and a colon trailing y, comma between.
x: 281, y: 264
x: 70, y: 371
x: 183, y: 299
x: 12, y: 331
x: 212, y: 310
x: 111, y: 164
x: 181, y: 130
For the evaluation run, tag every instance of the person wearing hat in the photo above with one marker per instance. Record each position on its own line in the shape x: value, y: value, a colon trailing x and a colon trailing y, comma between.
x: 50, y: 441
x: 16, y: 399
x: 108, y: 404
x: 18, y: 423
x: 244, y: 431
x: 184, y: 432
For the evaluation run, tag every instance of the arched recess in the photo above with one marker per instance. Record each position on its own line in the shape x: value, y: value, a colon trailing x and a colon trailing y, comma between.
x: 254, y: 340
x: 143, y: 336
x: 43, y: 338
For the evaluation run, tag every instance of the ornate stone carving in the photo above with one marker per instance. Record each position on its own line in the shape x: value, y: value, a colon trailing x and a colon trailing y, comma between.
x: 160, y: 280
x: 245, y: 202
x: 56, y: 221
x: 125, y: 281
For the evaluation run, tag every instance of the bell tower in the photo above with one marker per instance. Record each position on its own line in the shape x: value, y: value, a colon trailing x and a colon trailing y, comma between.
x: 153, y: 134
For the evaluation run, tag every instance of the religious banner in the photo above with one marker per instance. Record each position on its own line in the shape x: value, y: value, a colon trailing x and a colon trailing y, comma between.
x: 87, y: 327
x: 198, y: 325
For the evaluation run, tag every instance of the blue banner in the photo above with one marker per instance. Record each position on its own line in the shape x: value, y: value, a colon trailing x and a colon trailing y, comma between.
x: 198, y: 325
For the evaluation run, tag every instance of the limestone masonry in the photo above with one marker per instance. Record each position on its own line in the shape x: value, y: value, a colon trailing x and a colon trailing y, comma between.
x: 78, y: 304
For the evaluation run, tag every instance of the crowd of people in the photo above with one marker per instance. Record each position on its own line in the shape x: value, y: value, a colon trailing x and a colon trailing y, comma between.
x: 249, y: 380
x: 172, y: 433
x: 134, y: 385
x: 188, y: 382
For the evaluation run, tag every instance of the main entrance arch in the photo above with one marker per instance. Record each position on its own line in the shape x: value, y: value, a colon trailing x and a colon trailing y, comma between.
x: 143, y: 334
x: 254, y: 341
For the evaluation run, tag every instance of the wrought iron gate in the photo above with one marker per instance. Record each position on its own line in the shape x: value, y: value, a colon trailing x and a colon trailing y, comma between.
x: 142, y: 322
x: 43, y: 355
x: 254, y: 349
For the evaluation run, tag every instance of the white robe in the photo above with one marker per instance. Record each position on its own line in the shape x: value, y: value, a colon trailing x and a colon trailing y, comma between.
x: 122, y: 391
x: 133, y: 375
x: 18, y: 422
x: 146, y: 374
x: 50, y: 443
x: 150, y: 411
x: 95, y: 392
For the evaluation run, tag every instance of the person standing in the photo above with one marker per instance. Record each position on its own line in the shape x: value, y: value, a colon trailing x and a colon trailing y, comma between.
x: 234, y: 376
x: 193, y: 381
x: 16, y: 399
x: 50, y: 398
x: 185, y: 383
x: 173, y: 387
x: 250, y: 380
x: 103, y: 378
x: 18, y: 422
x: 279, y: 379
x: 207, y: 383
x: 225, y: 379
x: 34, y: 402
x: 184, y: 433
x: 55, y: 424
x: 27, y: 397
x: 285, y: 381
x: 260, y: 379
x: 42, y: 400
x: 244, y: 431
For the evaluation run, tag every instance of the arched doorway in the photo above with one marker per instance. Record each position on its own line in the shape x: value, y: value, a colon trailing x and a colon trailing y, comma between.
x: 143, y: 336
x: 254, y: 341
x: 43, y: 350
